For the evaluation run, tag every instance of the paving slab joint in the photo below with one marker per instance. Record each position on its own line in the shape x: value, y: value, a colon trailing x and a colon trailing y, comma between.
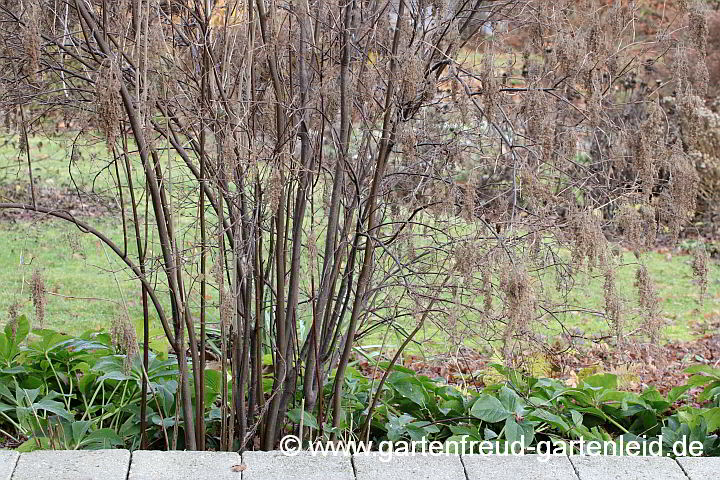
x: 682, y: 468
x: 352, y: 464
x: 574, y: 467
x: 462, y: 462
x: 14, y: 457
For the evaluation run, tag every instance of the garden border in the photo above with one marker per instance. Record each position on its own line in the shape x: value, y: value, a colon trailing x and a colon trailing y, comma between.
x: 275, y: 465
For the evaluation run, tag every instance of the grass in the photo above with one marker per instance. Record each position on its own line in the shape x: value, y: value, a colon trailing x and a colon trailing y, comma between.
x: 680, y: 300
x: 88, y: 287
x: 83, y: 294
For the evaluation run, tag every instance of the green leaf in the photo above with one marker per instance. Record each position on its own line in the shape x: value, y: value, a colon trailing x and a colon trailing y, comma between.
x: 296, y: 415
x: 79, y: 429
x: 5, y: 392
x: 114, y: 376
x: 677, y: 392
x: 457, y: 444
x: 452, y: 405
x: 602, y: 380
x: 26, y: 396
x: 398, y: 368
x: 706, y: 369
x: 53, y: 407
x: 213, y: 385
x: 577, y: 417
x: 416, y: 432
x: 17, y: 331
x: 511, y: 401
x: 712, y: 416
x: 697, y: 380
x: 167, y: 422
x: 709, y: 391
x: 4, y: 347
x: 32, y: 444
x: 513, y: 431
x: 396, y: 427
x: 13, y: 370
x: 407, y: 386
x: 103, y: 438
x: 470, y: 431
x: 489, y: 409
x: 549, y: 418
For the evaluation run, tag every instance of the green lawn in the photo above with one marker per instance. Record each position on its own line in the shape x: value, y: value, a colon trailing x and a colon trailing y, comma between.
x: 679, y: 296
x: 88, y: 287
x: 82, y: 291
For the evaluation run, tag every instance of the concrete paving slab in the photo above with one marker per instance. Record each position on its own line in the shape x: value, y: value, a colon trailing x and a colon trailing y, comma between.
x: 301, y: 466
x: 180, y: 465
x: 408, y: 467
x: 512, y: 467
x: 613, y: 467
x: 700, y: 468
x: 73, y: 465
x: 8, y: 459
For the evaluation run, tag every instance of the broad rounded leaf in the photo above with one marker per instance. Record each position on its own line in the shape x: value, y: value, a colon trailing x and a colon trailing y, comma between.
x: 17, y: 331
x: 712, y: 416
x: 297, y: 415
x: 550, y: 418
x: 489, y: 409
x: 408, y: 387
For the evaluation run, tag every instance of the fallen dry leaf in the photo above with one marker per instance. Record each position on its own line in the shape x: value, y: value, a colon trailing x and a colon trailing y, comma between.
x: 238, y: 468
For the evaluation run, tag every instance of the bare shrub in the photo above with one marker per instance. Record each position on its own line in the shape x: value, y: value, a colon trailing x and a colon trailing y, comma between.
x: 431, y: 179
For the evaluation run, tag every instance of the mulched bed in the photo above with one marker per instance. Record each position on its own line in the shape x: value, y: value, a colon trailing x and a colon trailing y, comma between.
x: 637, y: 366
x: 76, y: 203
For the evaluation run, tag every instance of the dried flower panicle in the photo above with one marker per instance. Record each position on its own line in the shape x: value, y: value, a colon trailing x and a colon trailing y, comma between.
x: 12, y: 317
x: 39, y: 296
x: 274, y: 189
x: 613, y: 304
x: 649, y: 303
x: 701, y: 268
x: 638, y: 226
x: 31, y: 40
x: 677, y: 204
x: 520, y: 306
x: 698, y: 26
x: 124, y: 338
x: 589, y: 241
x: 107, y: 91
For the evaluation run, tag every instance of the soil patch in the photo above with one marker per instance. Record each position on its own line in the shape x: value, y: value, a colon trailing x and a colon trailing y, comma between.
x: 637, y: 366
x: 74, y: 202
